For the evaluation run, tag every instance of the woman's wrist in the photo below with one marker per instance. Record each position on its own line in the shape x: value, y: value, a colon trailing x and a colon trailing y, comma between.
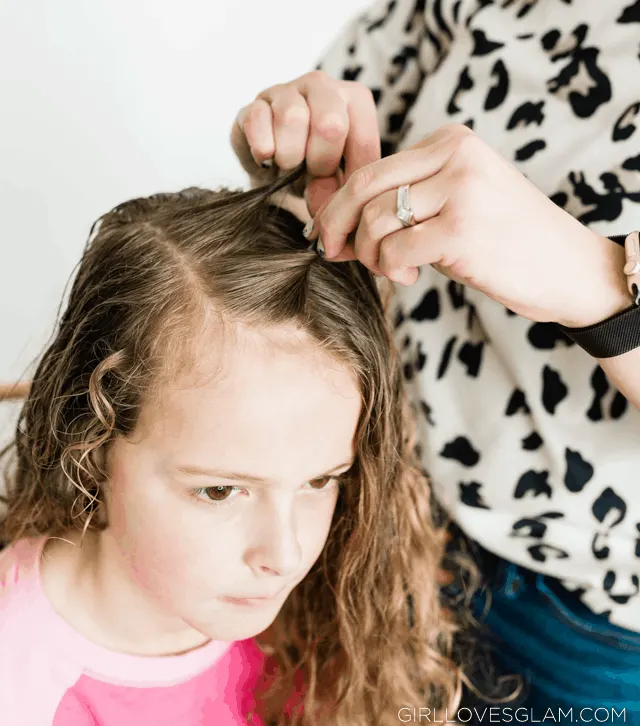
x: 618, y: 332
x: 605, y: 294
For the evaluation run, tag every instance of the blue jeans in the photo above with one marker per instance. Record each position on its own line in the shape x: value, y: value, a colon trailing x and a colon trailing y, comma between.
x: 571, y: 658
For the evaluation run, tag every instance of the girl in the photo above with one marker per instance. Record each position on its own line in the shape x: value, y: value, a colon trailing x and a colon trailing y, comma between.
x: 213, y: 514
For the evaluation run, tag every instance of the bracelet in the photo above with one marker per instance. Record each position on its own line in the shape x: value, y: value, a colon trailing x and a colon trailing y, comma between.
x: 621, y: 332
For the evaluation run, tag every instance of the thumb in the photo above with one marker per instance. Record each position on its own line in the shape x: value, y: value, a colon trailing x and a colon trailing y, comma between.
x: 347, y: 253
x: 319, y: 192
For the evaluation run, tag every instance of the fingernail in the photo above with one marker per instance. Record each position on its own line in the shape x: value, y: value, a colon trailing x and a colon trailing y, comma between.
x: 307, y: 228
x: 266, y: 164
x: 319, y: 247
x: 632, y: 266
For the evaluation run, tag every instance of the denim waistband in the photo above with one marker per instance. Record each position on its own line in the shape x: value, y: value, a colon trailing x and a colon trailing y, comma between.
x: 509, y: 581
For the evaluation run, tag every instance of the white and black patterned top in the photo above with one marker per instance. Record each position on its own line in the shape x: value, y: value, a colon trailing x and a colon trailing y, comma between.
x: 529, y: 446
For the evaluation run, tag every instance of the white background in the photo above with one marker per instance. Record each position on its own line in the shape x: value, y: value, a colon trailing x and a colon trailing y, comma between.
x: 104, y: 100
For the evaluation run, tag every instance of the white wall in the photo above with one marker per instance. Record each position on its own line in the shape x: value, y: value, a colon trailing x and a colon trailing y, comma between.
x: 103, y: 100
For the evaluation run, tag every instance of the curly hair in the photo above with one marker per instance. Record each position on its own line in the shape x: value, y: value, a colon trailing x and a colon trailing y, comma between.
x: 140, y: 292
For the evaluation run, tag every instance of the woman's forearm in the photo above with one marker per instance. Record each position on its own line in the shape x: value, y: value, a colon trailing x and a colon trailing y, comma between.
x: 624, y: 372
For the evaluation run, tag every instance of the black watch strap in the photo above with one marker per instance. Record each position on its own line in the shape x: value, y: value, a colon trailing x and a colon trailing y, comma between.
x: 612, y: 337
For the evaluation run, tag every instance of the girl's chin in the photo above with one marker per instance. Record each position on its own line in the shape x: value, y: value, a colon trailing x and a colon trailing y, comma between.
x: 241, y: 625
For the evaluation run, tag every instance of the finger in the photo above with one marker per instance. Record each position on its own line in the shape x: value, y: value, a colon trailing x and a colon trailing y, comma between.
x: 447, y: 132
x: 407, y: 276
x: 423, y: 244
x: 406, y: 167
x: 376, y: 222
x: 362, y: 144
x: 319, y: 192
x: 328, y: 127
x: 291, y: 117
x: 379, y: 220
x: 325, y: 185
x: 252, y: 136
x: 346, y: 255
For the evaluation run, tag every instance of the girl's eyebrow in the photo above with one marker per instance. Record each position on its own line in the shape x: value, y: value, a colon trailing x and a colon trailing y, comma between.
x: 238, y: 476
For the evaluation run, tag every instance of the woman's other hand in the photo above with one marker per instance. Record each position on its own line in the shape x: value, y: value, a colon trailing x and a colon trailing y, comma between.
x: 479, y: 221
x: 313, y: 118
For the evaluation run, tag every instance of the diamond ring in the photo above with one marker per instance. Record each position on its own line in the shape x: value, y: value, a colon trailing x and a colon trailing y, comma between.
x: 403, y: 211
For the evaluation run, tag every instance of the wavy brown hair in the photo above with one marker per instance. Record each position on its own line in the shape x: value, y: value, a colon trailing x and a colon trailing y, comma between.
x: 139, y: 296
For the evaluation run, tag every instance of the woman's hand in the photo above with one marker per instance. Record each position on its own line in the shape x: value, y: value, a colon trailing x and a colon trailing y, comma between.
x: 478, y: 221
x: 314, y: 118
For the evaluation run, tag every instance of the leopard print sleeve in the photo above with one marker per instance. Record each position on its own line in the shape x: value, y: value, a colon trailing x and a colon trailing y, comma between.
x: 391, y: 48
x: 530, y: 448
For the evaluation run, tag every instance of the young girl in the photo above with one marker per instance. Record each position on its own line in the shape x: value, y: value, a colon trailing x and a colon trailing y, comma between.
x: 213, y: 514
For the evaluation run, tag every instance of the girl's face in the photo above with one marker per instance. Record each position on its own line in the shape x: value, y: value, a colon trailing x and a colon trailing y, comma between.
x: 223, y: 500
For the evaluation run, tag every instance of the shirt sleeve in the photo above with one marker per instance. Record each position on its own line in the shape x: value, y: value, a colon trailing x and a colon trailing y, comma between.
x: 73, y: 713
x: 390, y: 48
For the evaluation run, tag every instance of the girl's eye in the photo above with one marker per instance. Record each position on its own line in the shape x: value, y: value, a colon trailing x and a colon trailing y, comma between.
x: 323, y: 483
x: 216, y: 495
x: 221, y: 495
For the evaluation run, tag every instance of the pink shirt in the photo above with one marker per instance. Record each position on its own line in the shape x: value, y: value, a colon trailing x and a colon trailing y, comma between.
x: 51, y: 675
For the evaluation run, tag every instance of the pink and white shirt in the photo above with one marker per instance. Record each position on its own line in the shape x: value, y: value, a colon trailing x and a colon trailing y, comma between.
x: 51, y: 675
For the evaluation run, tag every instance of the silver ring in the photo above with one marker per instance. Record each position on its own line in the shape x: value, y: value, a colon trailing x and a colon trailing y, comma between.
x: 403, y: 211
